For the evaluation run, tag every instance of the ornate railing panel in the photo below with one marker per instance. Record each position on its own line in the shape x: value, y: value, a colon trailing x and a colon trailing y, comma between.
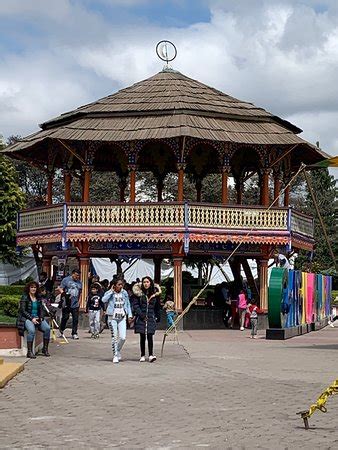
x: 165, y: 215
x: 232, y: 218
x: 302, y: 224
x: 38, y: 219
x: 153, y: 215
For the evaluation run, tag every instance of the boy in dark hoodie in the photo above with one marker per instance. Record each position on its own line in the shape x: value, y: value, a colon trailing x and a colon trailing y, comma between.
x: 94, y: 307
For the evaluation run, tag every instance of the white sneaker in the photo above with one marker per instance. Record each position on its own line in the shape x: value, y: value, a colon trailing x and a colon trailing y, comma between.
x: 152, y: 358
x: 75, y: 336
x: 143, y: 359
x: 242, y: 328
x: 115, y: 360
x: 331, y: 324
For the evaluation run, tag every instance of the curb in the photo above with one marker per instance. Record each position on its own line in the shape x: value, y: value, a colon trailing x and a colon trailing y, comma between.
x: 8, y: 371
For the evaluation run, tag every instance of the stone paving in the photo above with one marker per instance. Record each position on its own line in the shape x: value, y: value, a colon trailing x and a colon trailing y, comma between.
x: 217, y: 389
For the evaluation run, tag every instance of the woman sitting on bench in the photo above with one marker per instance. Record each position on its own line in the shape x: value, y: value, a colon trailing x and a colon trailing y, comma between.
x: 31, y: 317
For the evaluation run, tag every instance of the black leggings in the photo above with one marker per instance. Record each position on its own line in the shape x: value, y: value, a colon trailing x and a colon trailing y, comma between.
x: 143, y: 344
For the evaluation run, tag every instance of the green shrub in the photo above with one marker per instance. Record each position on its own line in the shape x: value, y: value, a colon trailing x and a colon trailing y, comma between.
x: 11, y: 290
x: 9, y: 304
x: 6, y: 319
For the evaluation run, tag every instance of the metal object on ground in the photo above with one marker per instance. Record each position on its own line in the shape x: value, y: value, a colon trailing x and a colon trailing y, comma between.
x: 320, y: 403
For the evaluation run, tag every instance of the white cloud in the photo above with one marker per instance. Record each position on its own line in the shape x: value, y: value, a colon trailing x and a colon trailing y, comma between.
x: 281, y: 55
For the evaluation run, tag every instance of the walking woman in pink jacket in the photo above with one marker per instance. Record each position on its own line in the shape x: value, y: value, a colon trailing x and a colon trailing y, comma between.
x: 242, y: 306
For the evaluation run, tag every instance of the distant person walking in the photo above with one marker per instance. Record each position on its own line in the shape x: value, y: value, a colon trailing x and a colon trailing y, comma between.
x: 118, y: 309
x: 242, y: 306
x: 70, y: 289
x: 147, y: 310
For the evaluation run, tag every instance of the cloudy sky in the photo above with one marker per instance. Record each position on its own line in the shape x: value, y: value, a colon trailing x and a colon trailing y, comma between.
x: 281, y: 55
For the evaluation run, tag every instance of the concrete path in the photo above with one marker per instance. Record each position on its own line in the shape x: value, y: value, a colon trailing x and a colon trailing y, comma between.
x: 217, y: 389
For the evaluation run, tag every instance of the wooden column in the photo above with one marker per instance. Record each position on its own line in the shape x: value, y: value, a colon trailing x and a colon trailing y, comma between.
x: 157, y: 269
x: 225, y: 194
x: 180, y: 187
x: 49, y: 197
x: 265, y: 187
x: 132, y: 170
x: 287, y: 196
x: 199, y: 185
x: 276, y: 187
x: 263, y: 284
x: 84, y: 272
x: 68, y: 182
x: 177, y: 252
x: 122, y: 186
x: 86, y: 184
x: 160, y: 189
x: 178, y: 283
x: 239, y: 189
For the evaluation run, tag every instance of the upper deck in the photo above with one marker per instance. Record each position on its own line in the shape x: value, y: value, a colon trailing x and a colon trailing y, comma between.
x: 165, y: 222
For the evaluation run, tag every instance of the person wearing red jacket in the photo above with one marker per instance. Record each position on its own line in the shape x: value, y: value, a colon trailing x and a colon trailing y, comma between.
x: 253, y: 310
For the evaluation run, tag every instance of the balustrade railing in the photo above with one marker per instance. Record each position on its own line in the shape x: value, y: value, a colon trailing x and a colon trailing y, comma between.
x: 42, y: 218
x: 155, y: 215
x: 247, y: 218
x: 176, y: 215
x: 302, y: 224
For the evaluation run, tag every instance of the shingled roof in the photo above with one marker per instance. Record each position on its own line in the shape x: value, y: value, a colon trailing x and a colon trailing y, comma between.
x: 168, y: 104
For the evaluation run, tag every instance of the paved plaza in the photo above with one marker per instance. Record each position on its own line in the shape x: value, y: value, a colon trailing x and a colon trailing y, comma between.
x: 217, y: 389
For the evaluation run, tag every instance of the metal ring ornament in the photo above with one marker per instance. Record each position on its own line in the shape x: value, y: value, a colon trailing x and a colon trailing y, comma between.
x: 161, y: 56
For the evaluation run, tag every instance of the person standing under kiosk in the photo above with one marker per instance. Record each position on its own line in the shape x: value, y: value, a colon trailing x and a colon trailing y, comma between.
x: 70, y: 289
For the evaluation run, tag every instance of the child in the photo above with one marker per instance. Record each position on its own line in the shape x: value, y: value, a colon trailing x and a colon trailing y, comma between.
x: 253, y: 310
x: 169, y: 307
x: 94, y: 307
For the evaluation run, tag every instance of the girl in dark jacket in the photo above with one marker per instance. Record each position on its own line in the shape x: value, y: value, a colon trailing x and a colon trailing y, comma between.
x: 147, y: 310
x: 31, y: 317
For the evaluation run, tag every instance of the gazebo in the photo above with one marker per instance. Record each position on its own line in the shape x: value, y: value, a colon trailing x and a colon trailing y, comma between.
x: 168, y: 123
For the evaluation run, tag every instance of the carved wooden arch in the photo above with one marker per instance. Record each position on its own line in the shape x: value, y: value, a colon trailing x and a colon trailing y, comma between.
x: 174, y: 146
x: 192, y: 143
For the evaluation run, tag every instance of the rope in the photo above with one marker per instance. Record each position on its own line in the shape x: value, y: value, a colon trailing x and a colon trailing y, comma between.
x: 193, y: 301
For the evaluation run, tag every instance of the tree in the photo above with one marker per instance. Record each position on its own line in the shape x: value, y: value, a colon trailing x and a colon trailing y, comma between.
x: 325, y: 192
x: 11, y: 201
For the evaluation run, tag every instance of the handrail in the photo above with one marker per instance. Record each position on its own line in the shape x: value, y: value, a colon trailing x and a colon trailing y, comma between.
x: 179, y: 215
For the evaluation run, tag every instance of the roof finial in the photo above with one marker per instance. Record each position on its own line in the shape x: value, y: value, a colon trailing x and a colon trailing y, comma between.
x: 166, y: 51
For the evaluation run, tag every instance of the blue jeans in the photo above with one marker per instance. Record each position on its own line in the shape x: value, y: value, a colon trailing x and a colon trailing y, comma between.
x: 31, y: 328
x: 170, y: 318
